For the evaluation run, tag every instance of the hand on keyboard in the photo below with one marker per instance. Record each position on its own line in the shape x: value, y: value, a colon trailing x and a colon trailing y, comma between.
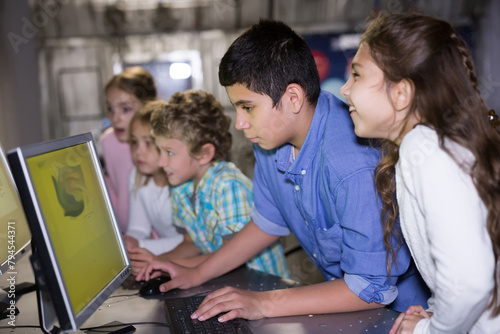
x: 179, y: 311
x: 251, y: 305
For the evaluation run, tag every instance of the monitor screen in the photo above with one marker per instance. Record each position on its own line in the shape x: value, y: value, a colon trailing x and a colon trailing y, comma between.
x: 79, y: 257
x: 15, y: 235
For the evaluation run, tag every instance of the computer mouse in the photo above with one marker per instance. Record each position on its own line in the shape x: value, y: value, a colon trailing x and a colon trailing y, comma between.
x: 152, y: 287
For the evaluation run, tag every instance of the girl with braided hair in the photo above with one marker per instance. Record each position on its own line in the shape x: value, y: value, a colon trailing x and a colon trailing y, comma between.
x: 412, y: 85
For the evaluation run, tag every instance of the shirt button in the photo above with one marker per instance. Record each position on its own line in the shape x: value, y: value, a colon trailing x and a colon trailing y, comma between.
x: 303, y: 172
x: 314, y: 255
x: 306, y: 222
x: 297, y: 187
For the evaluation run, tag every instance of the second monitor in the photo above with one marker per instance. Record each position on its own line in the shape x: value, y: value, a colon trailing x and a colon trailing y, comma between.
x: 79, y: 257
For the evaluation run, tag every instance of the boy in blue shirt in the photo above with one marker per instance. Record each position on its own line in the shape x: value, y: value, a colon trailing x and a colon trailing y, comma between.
x: 313, y: 178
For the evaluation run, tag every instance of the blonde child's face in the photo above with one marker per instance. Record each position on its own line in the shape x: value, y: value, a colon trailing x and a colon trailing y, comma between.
x: 177, y: 163
x: 367, y: 95
x: 121, y: 106
x: 145, y: 155
x: 258, y: 119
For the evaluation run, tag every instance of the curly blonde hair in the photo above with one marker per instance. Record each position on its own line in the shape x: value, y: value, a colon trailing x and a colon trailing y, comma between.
x: 197, y: 118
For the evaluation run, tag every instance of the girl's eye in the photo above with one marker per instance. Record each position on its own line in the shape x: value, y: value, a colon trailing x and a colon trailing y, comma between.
x: 127, y: 109
x: 355, y: 75
x: 169, y: 153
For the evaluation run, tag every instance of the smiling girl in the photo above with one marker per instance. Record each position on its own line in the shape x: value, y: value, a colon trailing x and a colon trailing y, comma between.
x: 413, y: 84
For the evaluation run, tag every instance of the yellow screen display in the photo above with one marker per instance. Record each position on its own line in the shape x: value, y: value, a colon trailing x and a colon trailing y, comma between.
x: 14, y: 230
x: 78, y: 221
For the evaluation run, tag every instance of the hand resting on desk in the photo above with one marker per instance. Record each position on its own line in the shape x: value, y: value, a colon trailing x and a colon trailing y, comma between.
x: 406, y: 322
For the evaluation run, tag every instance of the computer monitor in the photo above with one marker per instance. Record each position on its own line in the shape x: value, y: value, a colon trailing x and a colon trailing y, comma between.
x: 78, y: 254
x: 15, y: 235
x: 15, y: 238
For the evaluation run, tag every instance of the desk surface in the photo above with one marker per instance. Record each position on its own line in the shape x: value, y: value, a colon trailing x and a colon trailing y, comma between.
x: 126, y: 306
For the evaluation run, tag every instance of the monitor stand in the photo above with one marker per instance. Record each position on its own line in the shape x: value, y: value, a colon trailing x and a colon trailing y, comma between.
x: 46, y: 311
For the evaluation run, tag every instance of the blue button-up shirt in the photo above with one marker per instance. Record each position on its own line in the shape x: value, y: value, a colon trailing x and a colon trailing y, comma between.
x: 326, y: 196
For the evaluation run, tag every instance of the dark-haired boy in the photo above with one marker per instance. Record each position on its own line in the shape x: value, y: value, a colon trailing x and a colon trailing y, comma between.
x: 313, y: 178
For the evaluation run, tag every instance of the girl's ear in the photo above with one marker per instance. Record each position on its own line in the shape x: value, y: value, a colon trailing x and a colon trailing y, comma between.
x: 206, y: 154
x: 295, y: 96
x: 402, y: 94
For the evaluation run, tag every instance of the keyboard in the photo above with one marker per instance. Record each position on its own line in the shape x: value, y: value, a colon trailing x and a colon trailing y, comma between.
x: 179, y: 312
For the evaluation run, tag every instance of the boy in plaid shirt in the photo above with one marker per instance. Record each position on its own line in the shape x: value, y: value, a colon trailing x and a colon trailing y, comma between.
x: 211, y: 198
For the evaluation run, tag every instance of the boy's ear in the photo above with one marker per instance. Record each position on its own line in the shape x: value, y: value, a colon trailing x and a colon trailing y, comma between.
x: 206, y: 154
x: 295, y: 96
x: 402, y: 94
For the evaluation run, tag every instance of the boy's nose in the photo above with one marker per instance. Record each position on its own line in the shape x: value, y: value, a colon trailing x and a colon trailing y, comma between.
x: 241, y: 123
x: 162, y: 161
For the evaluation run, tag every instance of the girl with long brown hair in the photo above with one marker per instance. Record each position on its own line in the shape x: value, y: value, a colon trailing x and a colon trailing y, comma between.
x: 413, y: 85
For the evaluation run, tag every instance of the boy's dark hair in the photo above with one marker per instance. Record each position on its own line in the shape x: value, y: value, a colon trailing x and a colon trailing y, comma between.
x: 266, y: 58
x: 197, y: 118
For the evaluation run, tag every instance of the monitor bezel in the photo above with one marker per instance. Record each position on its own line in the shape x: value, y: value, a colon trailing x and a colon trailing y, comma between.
x: 20, y: 250
x: 54, y: 302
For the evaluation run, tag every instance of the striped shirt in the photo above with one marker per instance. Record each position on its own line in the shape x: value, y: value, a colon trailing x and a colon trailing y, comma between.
x: 221, y: 207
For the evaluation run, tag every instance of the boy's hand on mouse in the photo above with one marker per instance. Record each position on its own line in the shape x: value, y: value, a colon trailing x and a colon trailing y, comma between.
x: 251, y: 305
x: 181, y: 277
x: 406, y: 322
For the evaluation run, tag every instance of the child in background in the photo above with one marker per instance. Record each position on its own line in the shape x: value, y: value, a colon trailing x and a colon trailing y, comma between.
x: 125, y: 94
x: 211, y: 197
x: 150, y: 205
x: 413, y: 84
x: 312, y: 177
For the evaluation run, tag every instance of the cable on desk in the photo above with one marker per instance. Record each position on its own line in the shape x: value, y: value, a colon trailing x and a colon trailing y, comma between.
x: 20, y: 326
x: 97, y: 328
x: 116, y: 296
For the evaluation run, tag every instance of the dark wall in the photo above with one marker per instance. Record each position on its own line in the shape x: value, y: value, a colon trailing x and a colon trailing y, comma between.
x: 20, y: 115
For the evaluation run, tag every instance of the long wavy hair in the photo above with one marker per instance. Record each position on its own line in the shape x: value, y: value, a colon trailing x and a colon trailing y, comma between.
x: 430, y: 53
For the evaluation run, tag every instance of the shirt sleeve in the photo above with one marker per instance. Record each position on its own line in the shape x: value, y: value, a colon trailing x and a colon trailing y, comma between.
x: 161, y: 245
x: 363, y: 252
x: 459, y: 243
x: 233, y: 203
